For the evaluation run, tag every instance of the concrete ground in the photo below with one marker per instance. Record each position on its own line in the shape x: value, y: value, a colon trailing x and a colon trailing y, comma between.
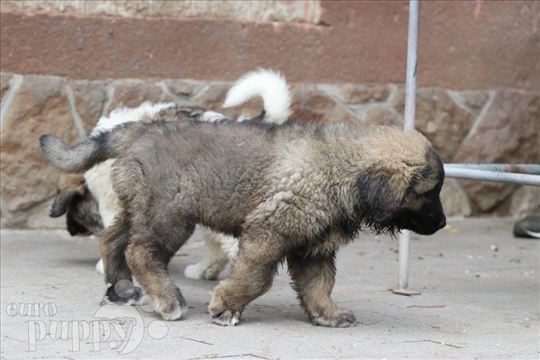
x: 480, y: 299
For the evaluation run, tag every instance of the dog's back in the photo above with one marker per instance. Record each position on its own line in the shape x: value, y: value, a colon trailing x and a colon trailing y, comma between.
x: 207, y: 166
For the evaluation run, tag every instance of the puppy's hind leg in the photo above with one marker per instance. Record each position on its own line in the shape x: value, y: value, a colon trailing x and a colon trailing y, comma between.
x: 214, y: 259
x: 148, y: 255
x: 118, y: 278
x: 313, y: 279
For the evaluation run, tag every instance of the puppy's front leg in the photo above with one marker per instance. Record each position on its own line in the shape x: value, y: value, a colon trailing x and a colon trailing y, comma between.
x: 313, y: 279
x: 252, y: 275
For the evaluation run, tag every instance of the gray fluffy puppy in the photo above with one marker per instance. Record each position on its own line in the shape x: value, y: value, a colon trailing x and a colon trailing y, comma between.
x: 91, y: 204
x: 294, y: 193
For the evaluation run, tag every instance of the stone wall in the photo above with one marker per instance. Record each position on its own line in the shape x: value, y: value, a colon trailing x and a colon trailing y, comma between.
x: 462, y: 44
x: 63, y: 64
x: 464, y: 126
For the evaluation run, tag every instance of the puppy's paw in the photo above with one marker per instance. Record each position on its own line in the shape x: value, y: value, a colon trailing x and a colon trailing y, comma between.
x: 346, y: 319
x: 193, y: 271
x: 173, y: 311
x: 123, y: 292
x: 221, y: 314
x: 341, y: 319
x: 100, y: 268
x: 172, y: 307
x: 226, y: 318
x: 211, y: 272
x: 201, y: 271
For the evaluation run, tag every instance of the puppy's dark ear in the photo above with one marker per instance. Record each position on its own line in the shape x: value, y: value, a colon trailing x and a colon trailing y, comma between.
x: 74, y: 227
x: 62, y: 201
x: 381, y: 194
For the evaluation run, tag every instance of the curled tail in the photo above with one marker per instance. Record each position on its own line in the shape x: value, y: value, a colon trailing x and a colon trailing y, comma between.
x: 81, y: 157
x: 269, y: 85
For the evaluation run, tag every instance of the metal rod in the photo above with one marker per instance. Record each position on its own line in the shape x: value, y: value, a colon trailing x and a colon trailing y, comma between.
x: 404, y: 245
x: 412, y: 63
x: 494, y: 176
x: 410, y: 107
x: 517, y: 168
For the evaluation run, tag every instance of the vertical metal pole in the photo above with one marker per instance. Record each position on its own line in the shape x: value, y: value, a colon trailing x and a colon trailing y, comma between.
x: 410, y: 107
x: 412, y: 50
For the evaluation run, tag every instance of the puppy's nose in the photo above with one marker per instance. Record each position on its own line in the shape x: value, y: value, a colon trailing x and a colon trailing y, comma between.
x: 442, y: 223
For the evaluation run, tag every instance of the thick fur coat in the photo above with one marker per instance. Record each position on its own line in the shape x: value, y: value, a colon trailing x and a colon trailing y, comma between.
x: 294, y: 193
x: 92, y: 205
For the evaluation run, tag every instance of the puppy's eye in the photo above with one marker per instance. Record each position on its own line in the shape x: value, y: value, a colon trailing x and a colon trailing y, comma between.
x: 424, y: 195
x: 412, y: 193
x: 433, y: 192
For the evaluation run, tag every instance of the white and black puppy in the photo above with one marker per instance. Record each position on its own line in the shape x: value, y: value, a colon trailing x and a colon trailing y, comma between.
x: 92, y: 205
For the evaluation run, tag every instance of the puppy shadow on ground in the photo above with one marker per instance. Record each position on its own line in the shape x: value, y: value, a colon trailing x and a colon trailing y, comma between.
x: 266, y: 314
x: 280, y: 304
x: 83, y: 263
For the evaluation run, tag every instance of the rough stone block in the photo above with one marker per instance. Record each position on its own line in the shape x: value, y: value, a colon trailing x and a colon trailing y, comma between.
x: 439, y: 118
x: 4, y: 83
x: 38, y: 218
x: 361, y: 94
x: 132, y: 93
x: 40, y: 106
x: 313, y: 105
x: 382, y: 115
x: 184, y: 88
x: 454, y: 199
x: 89, y: 98
x: 525, y: 201
x: 472, y: 100
x: 506, y: 133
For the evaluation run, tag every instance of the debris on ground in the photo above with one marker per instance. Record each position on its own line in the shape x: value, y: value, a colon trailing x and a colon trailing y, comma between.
x: 451, y: 229
x: 436, y: 342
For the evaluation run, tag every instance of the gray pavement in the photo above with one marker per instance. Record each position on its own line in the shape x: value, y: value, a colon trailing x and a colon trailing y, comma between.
x: 480, y: 299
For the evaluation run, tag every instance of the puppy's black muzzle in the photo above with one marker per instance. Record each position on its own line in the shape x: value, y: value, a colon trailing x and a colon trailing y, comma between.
x: 429, y: 219
x: 426, y: 221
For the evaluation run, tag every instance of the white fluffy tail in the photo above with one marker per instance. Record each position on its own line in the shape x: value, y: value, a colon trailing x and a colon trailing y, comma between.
x: 269, y: 85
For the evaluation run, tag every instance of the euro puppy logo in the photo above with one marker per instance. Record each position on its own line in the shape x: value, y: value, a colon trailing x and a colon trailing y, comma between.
x: 289, y: 192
